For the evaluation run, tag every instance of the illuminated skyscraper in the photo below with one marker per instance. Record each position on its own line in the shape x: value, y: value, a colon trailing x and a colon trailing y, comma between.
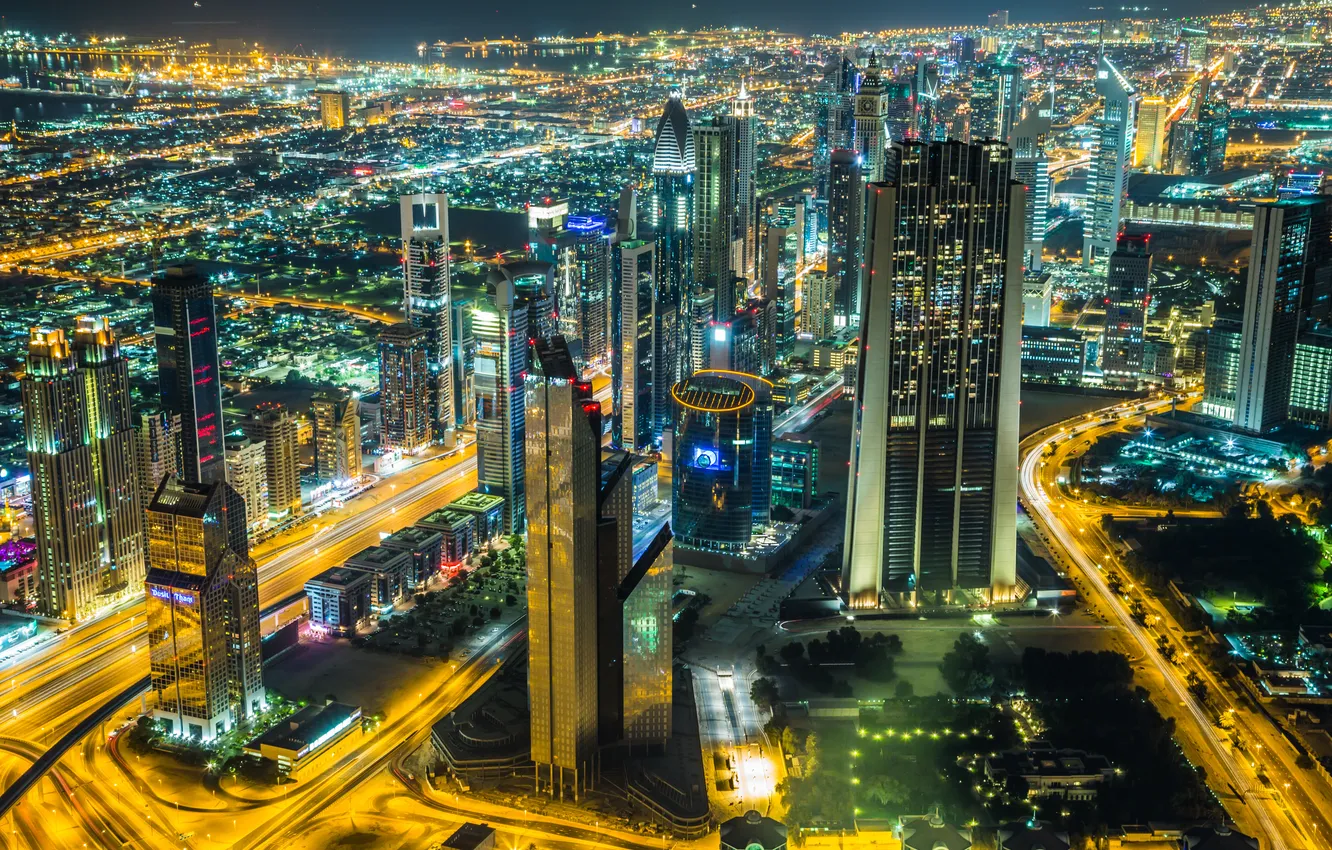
x: 834, y: 125
x: 1127, y: 296
x: 1031, y: 168
x: 925, y: 100
x: 932, y: 490
x: 79, y: 433
x: 185, y: 321
x: 816, y: 314
x: 337, y: 436
x: 502, y: 331
x: 1211, y: 134
x: 427, y: 300
x: 157, y: 446
x: 334, y: 109
x: 871, y: 122
x: 247, y: 473
x: 1111, y: 158
x: 635, y: 368
x: 404, y: 388
x: 563, y: 446
x: 591, y: 238
x: 714, y: 210
x: 1153, y: 126
x: 272, y: 424
x: 203, y: 610
x: 846, y: 202
x: 745, y: 231
x: 672, y: 219
x: 996, y: 100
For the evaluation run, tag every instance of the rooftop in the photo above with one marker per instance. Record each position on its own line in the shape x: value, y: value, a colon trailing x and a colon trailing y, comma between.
x: 308, y: 728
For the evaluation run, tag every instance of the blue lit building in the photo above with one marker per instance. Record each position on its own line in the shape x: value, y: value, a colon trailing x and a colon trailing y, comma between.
x: 671, y: 222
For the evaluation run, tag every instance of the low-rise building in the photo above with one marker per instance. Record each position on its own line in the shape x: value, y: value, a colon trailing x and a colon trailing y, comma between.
x: 488, y: 509
x: 391, y: 570
x: 310, y: 740
x: 1048, y: 772
x: 339, y: 599
x: 1053, y: 355
x: 471, y: 836
x: 426, y: 546
x: 457, y: 531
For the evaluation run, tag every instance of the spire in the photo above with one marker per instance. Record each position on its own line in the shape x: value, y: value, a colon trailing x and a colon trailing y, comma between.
x: 744, y: 95
x: 673, y: 151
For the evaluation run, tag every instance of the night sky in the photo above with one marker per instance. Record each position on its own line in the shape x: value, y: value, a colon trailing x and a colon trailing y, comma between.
x: 391, y: 30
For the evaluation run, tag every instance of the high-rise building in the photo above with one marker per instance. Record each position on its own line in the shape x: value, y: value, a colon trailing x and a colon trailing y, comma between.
x: 337, y: 436
x: 427, y: 300
x: 834, y: 126
x: 1194, y: 41
x: 634, y: 371
x: 1051, y: 355
x: 795, y: 473
x: 781, y: 264
x: 78, y: 428
x: 157, y: 447
x: 334, y: 109
x: 273, y: 425
x: 464, y: 357
x: 672, y: 220
x: 932, y: 490
x: 1211, y: 134
x: 1031, y: 168
x: 203, y: 610
x: 185, y: 322
x: 563, y: 471
x: 1221, y: 364
x: 996, y: 100
x: 702, y: 313
x: 925, y: 100
x: 816, y: 314
x: 1111, y: 158
x: 1036, y: 292
x: 846, y: 202
x: 247, y: 473
x: 1153, y: 130
x: 744, y: 124
x: 713, y: 225
x: 404, y: 389
x: 742, y: 343
x: 1290, y: 246
x: 1179, y: 147
x: 1311, y: 380
x: 871, y: 122
x: 722, y: 485
x: 501, y: 330
x: 591, y: 247
x: 999, y: 18
x: 1127, y: 297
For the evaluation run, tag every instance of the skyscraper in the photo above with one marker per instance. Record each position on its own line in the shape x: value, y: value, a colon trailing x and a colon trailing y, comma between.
x: 247, y: 473
x: 404, y: 388
x: 334, y: 109
x: 713, y: 224
x: 834, y: 122
x: 591, y: 238
x: 185, y: 321
x: 1153, y: 126
x: 745, y: 231
x: 932, y: 489
x: 337, y: 436
x: 925, y: 100
x: 501, y: 330
x: 157, y: 446
x: 634, y: 371
x: 846, y: 202
x: 817, y: 306
x: 1290, y: 247
x: 1211, y: 134
x: 1031, y: 167
x: 203, y: 610
x: 1127, y: 296
x: 563, y: 471
x: 1111, y: 158
x: 78, y: 429
x: 427, y: 300
x: 871, y: 122
x: 672, y: 219
x: 272, y: 424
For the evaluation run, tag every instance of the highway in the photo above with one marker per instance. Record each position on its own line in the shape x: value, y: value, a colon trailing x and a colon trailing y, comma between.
x: 1065, y: 524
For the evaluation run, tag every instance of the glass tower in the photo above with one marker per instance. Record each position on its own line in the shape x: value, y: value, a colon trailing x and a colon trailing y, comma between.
x: 185, y: 321
x: 426, y: 299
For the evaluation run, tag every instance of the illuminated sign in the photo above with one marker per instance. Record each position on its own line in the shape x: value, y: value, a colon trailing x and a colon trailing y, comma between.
x: 706, y: 457
x: 167, y: 595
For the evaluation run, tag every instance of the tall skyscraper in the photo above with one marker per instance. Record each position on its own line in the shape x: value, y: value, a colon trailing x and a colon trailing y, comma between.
x: 337, y: 436
x: 846, y: 203
x: 1127, y: 296
x: 247, y: 473
x: 563, y: 471
x: 672, y: 219
x: 871, y: 122
x: 1153, y: 127
x: 203, y: 610
x: 157, y: 446
x: 745, y: 232
x: 185, y: 322
x: 634, y: 372
x: 1211, y: 133
x: 1031, y: 168
x: 427, y: 300
x: 817, y: 306
x: 85, y: 491
x: 1111, y: 158
x: 834, y: 125
x: 713, y: 225
x: 932, y: 490
x: 272, y: 424
x: 925, y: 100
x: 984, y: 102
x: 781, y: 245
x: 591, y: 238
x: 501, y: 330
x: 404, y: 388
x: 1290, y: 248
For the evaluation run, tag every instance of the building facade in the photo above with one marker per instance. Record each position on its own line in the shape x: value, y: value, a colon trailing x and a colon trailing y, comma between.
x: 185, y: 328
x: 1111, y: 158
x: 427, y: 299
x: 272, y: 425
x: 337, y: 436
x: 501, y: 330
x: 1127, y: 299
x: 404, y: 389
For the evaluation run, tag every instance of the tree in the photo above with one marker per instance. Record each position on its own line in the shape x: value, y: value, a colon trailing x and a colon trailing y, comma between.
x: 887, y: 790
x: 966, y: 667
x: 494, y: 613
x: 904, y: 690
x: 765, y: 694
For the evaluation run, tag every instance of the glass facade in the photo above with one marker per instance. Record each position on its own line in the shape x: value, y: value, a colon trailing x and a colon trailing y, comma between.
x: 795, y: 473
x: 185, y: 321
x: 648, y: 681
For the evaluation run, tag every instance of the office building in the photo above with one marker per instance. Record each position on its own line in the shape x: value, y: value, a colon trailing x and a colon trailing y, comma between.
x: 646, y: 645
x: 273, y: 425
x: 846, y: 202
x: 427, y: 299
x: 337, y: 436
x: 339, y: 600
x: 928, y: 123
x: 1179, y: 148
x: 550, y: 242
x: 1111, y: 157
x: 334, y: 109
x: 1311, y: 380
x: 157, y: 450
x: 1153, y: 131
x: 426, y: 548
x: 634, y: 366
x: 1194, y: 41
x: 834, y: 124
x: 464, y: 356
x: 1055, y: 356
x: 1127, y: 297
x: 743, y: 343
x: 458, y: 537
x: 78, y: 430
x: 723, y: 464
x: 672, y: 219
x: 817, y: 305
x: 591, y: 242
x: 713, y: 224
x: 932, y: 487
x: 185, y: 328
x: 777, y: 285
x: 1036, y: 292
x: 744, y: 124
x: 247, y: 473
x: 203, y: 610
x: 999, y: 18
x: 392, y: 571
x: 563, y: 473
x: 996, y: 101
x: 404, y: 389
x: 871, y: 127
x: 1290, y: 251
x: 1211, y: 133
x: 1221, y: 365
x: 1031, y: 167
x: 795, y: 473
x: 501, y: 330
